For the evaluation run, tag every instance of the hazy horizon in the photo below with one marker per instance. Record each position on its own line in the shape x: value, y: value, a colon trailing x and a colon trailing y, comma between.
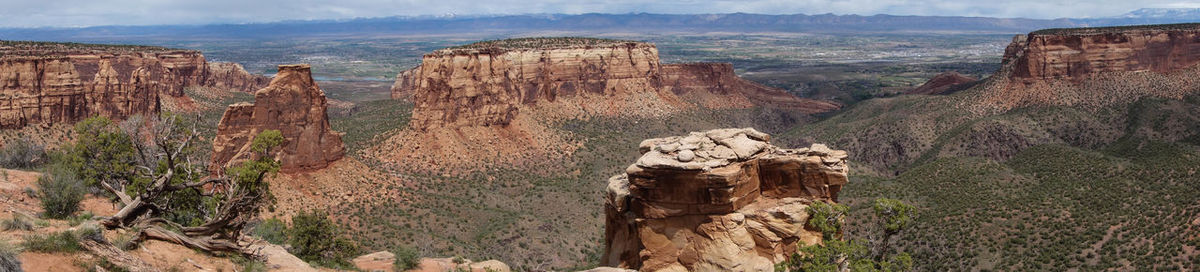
x: 81, y: 13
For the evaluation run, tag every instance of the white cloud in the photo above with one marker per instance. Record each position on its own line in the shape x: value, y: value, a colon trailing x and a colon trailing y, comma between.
x: 26, y: 13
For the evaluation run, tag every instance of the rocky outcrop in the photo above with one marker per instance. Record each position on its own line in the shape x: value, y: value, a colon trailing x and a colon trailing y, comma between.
x: 55, y: 83
x: 715, y: 85
x: 487, y: 84
x: 293, y: 104
x: 721, y: 200
x: 231, y: 76
x: 943, y: 83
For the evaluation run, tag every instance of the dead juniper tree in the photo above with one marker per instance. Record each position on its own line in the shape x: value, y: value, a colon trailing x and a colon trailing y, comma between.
x: 154, y: 170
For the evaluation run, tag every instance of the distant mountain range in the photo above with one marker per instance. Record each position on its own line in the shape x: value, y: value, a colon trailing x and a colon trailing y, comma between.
x: 1189, y: 14
x: 636, y: 23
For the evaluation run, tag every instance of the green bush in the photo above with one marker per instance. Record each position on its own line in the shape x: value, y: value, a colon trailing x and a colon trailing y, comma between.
x: 273, y: 230
x: 406, y: 258
x: 315, y: 238
x: 60, y: 191
x: 63, y: 241
x: 8, y: 258
x: 22, y: 153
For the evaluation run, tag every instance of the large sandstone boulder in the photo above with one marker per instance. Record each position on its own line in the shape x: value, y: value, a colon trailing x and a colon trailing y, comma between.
x: 292, y: 104
x: 721, y: 200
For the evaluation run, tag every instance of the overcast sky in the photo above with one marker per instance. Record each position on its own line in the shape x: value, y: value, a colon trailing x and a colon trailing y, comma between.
x: 34, y: 13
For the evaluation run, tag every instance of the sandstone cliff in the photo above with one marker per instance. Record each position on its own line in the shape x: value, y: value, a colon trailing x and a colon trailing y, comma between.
x: 488, y: 83
x: 1095, y: 66
x: 231, y: 76
x: 293, y: 104
x: 721, y: 200
x: 53, y: 83
x: 943, y: 83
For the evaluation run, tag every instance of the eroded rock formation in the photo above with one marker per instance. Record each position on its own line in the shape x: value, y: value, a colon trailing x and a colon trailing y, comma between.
x: 53, y: 83
x: 231, y: 76
x: 943, y: 83
x: 293, y: 104
x: 721, y: 200
x: 1094, y: 67
x: 1077, y: 53
x: 488, y: 84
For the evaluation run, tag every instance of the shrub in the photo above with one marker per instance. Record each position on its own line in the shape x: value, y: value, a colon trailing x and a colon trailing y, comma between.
x: 60, y: 192
x: 22, y: 153
x: 8, y: 258
x: 406, y: 258
x: 273, y: 230
x: 17, y: 222
x: 63, y: 241
x: 314, y: 238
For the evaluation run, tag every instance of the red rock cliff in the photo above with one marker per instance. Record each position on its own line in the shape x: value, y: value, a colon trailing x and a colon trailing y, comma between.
x: 1076, y: 53
x: 293, y: 104
x: 1093, y: 67
x: 721, y: 200
x: 484, y: 86
x: 52, y: 83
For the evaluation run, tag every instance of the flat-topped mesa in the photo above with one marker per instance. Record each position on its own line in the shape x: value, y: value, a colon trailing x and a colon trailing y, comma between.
x: 721, y: 200
x: 1077, y: 53
x: 1093, y: 67
x: 485, y: 86
x: 486, y: 83
x: 293, y: 104
x: 66, y: 82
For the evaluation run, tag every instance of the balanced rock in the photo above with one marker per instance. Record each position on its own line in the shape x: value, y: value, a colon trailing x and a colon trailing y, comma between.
x: 293, y: 104
x: 738, y: 205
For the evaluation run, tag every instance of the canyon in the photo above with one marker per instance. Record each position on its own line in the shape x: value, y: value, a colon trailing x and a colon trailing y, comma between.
x: 719, y: 200
x: 294, y: 105
x: 47, y: 83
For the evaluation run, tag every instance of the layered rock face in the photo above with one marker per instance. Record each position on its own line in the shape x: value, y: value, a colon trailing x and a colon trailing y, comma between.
x: 942, y: 83
x: 1094, y: 67
x: 293, y: 104
x: 231, y: 76
x: 485, y: 86
x: 721, y: 200
x: 54, y: 83
x: 715, y: 85
x: 1077, y: 53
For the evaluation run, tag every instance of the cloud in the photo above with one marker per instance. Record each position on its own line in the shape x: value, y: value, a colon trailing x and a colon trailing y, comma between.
x: 33, y: 13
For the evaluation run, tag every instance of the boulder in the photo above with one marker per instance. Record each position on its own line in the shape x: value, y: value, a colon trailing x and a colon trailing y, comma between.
x: 739, y: 205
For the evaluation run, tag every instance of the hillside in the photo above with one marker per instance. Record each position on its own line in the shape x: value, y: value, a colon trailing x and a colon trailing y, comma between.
x: 1052, y: 170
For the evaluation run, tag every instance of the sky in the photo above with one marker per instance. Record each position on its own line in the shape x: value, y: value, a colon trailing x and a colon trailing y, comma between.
x: 75, y: 13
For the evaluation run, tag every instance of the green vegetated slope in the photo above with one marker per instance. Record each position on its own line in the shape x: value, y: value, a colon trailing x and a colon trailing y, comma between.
x: 529, y: 220
x: 1032, y: 189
